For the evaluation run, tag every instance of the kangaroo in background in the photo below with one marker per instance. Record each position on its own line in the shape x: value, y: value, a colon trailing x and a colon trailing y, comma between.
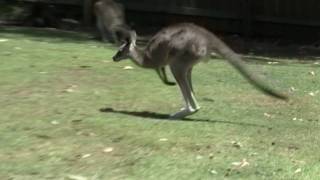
x: 110, y: 18
x: 112, y: 27
x: 180, y: 47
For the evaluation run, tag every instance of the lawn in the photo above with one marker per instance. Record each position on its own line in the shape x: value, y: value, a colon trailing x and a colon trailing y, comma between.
x: 69, y: 112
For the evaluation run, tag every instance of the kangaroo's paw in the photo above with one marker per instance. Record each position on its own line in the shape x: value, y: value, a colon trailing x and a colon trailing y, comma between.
x: 183, y: 113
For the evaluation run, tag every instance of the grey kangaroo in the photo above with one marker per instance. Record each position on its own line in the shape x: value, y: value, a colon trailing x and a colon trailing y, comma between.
x: 110, y: 18
x: 180, y: 47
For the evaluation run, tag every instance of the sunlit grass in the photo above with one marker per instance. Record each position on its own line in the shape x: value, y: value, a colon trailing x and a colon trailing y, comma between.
x: 54, y: 84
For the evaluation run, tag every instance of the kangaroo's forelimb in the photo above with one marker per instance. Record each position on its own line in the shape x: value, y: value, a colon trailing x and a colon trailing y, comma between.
x: 163, y: 76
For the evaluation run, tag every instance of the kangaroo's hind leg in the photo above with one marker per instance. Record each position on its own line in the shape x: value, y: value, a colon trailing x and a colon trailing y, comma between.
x: 180, y: 73
x: 189, y: 73
x: 192, y: 96
x: 102, y: 30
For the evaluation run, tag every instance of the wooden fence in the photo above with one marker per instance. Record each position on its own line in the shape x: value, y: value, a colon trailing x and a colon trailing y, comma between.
x: 237, y: 16
x: 241, y: 16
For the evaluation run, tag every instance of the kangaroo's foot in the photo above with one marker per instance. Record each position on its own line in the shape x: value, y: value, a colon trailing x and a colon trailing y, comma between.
x: 183, y: 113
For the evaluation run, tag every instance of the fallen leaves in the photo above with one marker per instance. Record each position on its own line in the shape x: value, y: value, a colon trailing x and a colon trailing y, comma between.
x: 310, y: 93
x: 268, y: 115
x: 297, y: 119
x: 89, y: 134
x: 213, y: 172
x: 54, y: 122
x: 199, y: 157
x: 107, y: 150
x: 211, y: 156
x: 236, y: 144
x: 236, y: 166
x: 297, y: 171
x: 313, y: 93
x: 128, y: 68
x: 71, y: 88
x: 273, y: 62
x: 86, y: 156
x: 4, y: 40
x: 240, y: 164
x: 292, y: 89
x: 163, y: 139
x: 312, y: 73
x: 76, y: 177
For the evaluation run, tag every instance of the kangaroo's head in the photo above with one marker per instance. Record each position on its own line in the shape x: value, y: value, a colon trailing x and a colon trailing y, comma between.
x: 127, y: 46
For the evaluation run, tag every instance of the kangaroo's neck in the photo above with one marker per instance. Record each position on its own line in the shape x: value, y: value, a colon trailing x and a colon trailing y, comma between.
x: 138, y: 56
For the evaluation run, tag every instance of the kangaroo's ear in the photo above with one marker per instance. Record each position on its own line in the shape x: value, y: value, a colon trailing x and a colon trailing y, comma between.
x: 133, y: 37
x: 123, y: 34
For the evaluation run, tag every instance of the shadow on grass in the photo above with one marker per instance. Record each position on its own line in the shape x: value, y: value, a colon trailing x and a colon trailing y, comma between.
x: 154, y: 115
x: 55, y: 34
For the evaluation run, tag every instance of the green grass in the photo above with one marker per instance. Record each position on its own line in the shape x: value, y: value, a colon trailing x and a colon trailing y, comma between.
x: 53, y: 85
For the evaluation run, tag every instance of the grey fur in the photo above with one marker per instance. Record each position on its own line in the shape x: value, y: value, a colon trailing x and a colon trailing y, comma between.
x: 180, y: 47
x: 110, y: 18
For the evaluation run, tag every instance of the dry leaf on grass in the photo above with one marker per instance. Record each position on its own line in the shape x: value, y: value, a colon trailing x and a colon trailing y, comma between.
x: 298, y: 170
x: 76, y: 177
x: 128, y: 68
x: 297, y: 119
x: 312, y: 94
x: 213, y: 171
x: 55, y: 122
x: 253, y: 154
x: 236, y: 144
x: 85, y: 156
x: 273, y: 62
x: 71, y: 88
x: 292, y: 89
x: 211, y: 156
x: 267, y: 115
x: 4, y: 40
x: 163, y: 139
x: 312, y: 73
x: 108, y: 149
x: 241, y: 164
x: 198, y: 157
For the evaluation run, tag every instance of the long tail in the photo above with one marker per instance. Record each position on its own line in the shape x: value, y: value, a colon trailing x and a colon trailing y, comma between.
x: 235, y: 60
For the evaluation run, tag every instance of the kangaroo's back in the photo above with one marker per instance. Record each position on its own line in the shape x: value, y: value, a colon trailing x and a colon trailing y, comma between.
x: 188, y: 43
x: 181, y: 39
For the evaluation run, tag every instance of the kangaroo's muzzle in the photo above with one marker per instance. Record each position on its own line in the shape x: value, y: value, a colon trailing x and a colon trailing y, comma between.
x: 116, y: 58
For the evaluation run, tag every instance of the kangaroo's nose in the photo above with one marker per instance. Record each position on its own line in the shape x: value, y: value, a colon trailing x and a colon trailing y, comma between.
x: 114, y: 58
